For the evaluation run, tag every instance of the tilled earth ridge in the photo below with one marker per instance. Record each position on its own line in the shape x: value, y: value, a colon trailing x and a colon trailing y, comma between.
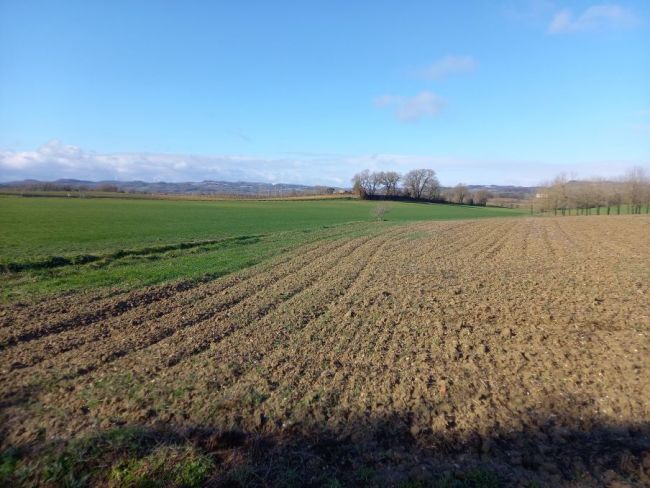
x: 517, y: 344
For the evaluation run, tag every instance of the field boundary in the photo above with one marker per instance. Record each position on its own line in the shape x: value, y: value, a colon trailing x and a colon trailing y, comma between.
x: 108, y: 258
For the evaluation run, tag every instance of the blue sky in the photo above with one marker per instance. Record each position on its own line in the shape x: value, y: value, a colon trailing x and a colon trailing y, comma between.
x: 311, y: 92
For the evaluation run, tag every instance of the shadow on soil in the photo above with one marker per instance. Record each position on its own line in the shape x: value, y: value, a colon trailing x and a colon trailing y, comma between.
x: 381, y: 452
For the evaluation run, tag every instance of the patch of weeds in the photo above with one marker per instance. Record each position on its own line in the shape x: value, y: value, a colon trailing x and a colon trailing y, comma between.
x: 127, y: 456
x: 177, y: 392
x: 193, y: 472
x: 63, y: 470
x: 165, y: 466
x: 9, y: 460
x: 254, y: 398
x: 74, y: 464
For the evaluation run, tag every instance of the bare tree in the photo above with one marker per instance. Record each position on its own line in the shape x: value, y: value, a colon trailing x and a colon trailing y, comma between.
x: 614, y: 197
x: 481, y: 197
x: 599, y: 193
x: 389, y: 180
x: 365, y: 183
x: 432, y: 190
x: 581, y: 197
x: 379, y: 212
x: 558, y: 194
x: 459, y: 193
x: 636, y: 182
x: 421, y: 182
x: 587, y: 196
x: 361, y: 183
x: 374, y: 182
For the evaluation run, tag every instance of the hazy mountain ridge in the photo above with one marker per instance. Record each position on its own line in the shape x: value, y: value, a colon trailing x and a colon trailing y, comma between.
x: 214, y: 187
x: 189, y: 187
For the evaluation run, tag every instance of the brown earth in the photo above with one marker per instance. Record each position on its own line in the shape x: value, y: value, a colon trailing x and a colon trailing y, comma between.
x: 518, y: 347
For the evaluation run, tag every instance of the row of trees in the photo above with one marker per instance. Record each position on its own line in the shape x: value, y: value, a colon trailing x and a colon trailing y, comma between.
x: 417, y: 184
x: 562, y: 196
x: 54, y: 186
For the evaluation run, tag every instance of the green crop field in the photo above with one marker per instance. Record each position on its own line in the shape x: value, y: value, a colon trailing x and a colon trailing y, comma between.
x: 50, y: 245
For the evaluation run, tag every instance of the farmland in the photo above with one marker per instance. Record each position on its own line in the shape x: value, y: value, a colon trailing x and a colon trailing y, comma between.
x: 422, y: 353
x: 53, y: 245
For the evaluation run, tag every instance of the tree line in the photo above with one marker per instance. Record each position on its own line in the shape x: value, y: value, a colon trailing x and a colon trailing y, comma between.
x: 562, y: 196
x: 418, y: 184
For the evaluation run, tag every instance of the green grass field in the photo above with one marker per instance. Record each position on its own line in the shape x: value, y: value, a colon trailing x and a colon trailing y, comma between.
x: 50, y: 245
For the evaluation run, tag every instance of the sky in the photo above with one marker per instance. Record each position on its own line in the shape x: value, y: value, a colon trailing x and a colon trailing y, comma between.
x: 482, y: 92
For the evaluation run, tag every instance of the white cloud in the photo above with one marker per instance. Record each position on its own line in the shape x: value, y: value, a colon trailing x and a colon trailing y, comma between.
x: 596, y: 17
x: 56, y: 160
x: 449, y: 65
x: 412, y: 109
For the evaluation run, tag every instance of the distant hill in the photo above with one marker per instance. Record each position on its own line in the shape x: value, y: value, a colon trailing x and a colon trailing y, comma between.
x: 211, y: 187
x: 207, y: 187
x: 506, y: 191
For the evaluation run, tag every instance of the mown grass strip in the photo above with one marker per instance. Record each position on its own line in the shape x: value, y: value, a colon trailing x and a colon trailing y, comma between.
x: 105, y: 259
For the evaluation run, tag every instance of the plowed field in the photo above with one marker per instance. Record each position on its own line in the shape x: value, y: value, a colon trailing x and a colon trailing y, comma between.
x: 460, y: 352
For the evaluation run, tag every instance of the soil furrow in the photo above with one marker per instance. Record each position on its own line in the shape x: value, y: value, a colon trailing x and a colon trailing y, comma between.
x: 184, y: 324
x: 25, y: 320
x: 151, y: 318
x: 520, y: 337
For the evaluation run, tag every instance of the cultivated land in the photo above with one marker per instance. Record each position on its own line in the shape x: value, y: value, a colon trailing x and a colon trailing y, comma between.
x: 51, y: 245
x: 459, y: 353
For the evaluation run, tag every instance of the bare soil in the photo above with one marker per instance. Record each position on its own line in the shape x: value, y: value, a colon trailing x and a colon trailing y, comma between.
x: 518, y: 347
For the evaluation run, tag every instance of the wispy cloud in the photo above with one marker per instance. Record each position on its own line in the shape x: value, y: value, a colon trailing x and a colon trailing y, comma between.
x: 57, y: 160
x: 412, y: 109
x: 449, y: 65
x: 596, y: 17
